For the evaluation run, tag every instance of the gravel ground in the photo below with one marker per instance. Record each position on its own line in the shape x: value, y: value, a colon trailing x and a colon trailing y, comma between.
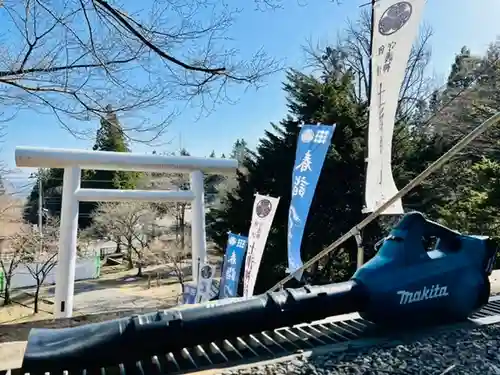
x: 458, y: 352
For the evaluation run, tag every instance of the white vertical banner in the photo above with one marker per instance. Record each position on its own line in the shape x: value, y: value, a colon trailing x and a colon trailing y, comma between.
x: 264, y: 208
x: 205, y: 278
x: 395, y: 28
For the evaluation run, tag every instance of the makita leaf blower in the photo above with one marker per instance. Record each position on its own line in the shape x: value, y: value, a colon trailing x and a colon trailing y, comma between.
x: 404, y: 282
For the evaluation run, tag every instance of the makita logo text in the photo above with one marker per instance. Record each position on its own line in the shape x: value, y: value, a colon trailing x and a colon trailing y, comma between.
x: 435, y: 291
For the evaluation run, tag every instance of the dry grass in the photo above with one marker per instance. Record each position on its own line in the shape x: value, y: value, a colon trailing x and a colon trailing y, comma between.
x: 167, y: 289
x: 17, y: 318
x: 13, y: 336
x: 17, y: 313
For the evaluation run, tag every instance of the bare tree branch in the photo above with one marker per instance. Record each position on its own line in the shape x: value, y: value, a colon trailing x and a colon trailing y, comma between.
x: 173, y: 258
x: 129, y: 223
x: 70, y: 58
x: 40, y: 254
x: 351, y: 54
x: 470, y: 97
x: 13, y: 245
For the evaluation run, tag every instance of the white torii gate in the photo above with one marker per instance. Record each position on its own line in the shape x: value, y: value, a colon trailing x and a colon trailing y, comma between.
x: 73, y: 161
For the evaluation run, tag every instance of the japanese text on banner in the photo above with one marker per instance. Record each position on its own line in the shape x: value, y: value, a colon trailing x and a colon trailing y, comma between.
x: 205, y: 279
x: 312, y: 146
x: 233, y: 261
x: 395, y: 25
x: 189, y: 294
x: 264, y: 210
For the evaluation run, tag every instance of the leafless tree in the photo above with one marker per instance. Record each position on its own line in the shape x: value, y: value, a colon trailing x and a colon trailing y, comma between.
x: 100, y: 231
x: 175, y: 210
x: 12, y: 238
x: 173, y: 258
x: 85, y: 239
x: 265, y: 5
x: 131, y: 223
x: 352, y: 54
x: 11, y: 256
x: 70, y: 58
x: 41, y: 257
x: 10, y: 208
x: 142, y: 243
x: 470, y: 96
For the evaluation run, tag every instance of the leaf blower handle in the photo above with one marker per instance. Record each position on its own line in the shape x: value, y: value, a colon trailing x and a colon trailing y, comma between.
x: 448, y: 238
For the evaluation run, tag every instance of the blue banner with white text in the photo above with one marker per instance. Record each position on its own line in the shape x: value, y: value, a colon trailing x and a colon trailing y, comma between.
x: 312, y: 146
x: 233, y: 261
x: 189, y: 294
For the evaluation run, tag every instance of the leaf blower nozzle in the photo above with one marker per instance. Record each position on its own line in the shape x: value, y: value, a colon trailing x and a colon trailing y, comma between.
x: 405, y: 282
x: 142, y: 336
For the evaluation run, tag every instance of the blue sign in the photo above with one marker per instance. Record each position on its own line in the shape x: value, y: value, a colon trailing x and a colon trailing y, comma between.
x: 233, y: 261
x: 312, y: 146
x: 189, y: 294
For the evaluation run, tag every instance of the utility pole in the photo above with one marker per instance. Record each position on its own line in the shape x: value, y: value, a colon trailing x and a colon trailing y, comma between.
x: 40, y: 203
x: 40, y: 208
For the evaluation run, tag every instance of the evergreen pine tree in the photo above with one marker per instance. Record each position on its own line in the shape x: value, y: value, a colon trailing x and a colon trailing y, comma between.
x: 476, y: 204
x: 110, y: 137
x: 52, y: 181
x: 337, y: 203
x: 239, y: 150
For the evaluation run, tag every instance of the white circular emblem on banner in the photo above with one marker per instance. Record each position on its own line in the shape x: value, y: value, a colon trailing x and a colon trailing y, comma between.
x: 206, y: 272
x: 307, y: 136
x: 263, y: 208
x: 394, y: 18
x: 232, y: 241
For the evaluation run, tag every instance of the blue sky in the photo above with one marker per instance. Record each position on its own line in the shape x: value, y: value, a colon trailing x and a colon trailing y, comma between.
x: 281, y: 33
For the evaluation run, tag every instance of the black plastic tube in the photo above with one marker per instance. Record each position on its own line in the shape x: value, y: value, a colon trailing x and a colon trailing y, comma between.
x: 138, y: 337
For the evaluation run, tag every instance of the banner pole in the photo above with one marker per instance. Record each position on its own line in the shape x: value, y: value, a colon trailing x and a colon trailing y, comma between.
x: 359, y: 235
x: 361, y: 251
x: 464, y: 142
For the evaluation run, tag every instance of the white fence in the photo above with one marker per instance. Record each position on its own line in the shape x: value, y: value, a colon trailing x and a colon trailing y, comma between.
x: 85, y: 269
x: 73, y: 161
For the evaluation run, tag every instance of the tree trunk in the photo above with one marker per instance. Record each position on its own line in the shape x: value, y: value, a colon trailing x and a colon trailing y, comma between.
x: 177, y: 223
x: 183, y: 238
x: 182, y: 226
x: 180, y: 297
x: 35, y: 302
x: 129, y: 257
x: 139, y: 268
x: 6, y: 296
x: 118, y: 247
